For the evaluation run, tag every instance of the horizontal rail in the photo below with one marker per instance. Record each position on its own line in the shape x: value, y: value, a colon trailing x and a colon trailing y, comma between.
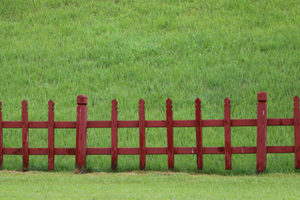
x: 150, y: 123
x: 150, y: 150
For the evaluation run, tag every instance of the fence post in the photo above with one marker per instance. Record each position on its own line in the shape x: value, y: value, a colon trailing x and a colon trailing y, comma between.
x: 170, y: 135
x: 114, y: 135
x: 297, y: 132
x: 261, y: 149
x: 199, y: 134
x: 25, y: 146
x: 227, y: 127
x: 81, y: 134
x: 51, y: 135
x: 142, y: 134
x: 1, y: 139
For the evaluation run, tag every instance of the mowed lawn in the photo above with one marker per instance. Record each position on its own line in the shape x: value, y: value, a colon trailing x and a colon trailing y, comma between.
x: 146, y: 185
x: 127, y: 50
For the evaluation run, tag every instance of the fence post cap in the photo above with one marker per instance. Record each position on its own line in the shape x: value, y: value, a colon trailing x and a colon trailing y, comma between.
x: 262, y: 96
x: 82, y: 100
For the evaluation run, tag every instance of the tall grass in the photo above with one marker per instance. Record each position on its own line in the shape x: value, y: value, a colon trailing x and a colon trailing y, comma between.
x: 152, y: 50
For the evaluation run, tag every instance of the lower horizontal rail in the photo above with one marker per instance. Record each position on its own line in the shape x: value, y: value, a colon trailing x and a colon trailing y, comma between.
x: 150, y: 150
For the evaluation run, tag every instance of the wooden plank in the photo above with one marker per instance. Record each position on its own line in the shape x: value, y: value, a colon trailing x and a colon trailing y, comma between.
x: 128, y: 151
x: 99, y: 124
x: 297, y: 132
x: 62, y: 124
x: 261, y: 150
x: 37, y: 124
x: 1, y: 138
x: 25, y: 137
x: 38, y: 151
x: 50, y: 135
x: 243, y: 122
x: 280, y: 149
x: 170, y: 140
x: 13, y: 151
x: 227, y: 128
x: 64, y: 151
x: 280, y: 122
x: 156, y: 123
x: 98, y: 151
x: 199, y: 134
x: 81, y: 134
x: 243, y: 150
x: 212, y: 122
x: 156, y: 150
x: 114, y: 135
x: 213, y: 150
x: 142, y: 134
x: 12, y: 124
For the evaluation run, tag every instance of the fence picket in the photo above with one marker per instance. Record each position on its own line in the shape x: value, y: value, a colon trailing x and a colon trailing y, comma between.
x: 170, y: 139
x: 261, y: 149
x: 227, y: 127
x: 297, y: 132
x: 199, y: 134
x: 142, y: 134
x: 114, y: 135
x: 25, y: 145
x: 51, y: 135
x: 1, y: 138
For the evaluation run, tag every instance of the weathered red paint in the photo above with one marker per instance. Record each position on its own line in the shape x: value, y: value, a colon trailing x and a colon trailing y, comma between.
x: 81, y: 134
x: 297, y: 132
x: 261, y: 149
x: 227, y: 127
x: 1, y: 138
x: 25, y: 137
x: 114, y: 135
x: 142, y: 134
x: 51, y: 135
x: 199, y: 134
x: 170, y: 134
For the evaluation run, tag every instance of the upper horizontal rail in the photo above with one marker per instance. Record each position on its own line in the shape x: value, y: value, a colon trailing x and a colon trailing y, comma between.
x: 151, y: 123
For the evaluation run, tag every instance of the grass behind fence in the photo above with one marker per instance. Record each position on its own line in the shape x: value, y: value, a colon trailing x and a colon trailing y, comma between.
x: 152, y: 50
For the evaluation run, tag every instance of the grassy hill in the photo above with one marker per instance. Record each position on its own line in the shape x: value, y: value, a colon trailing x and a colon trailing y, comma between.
x: 152, y: 50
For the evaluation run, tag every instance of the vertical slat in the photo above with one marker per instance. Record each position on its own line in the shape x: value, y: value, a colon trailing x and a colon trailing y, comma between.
x: 1, y: 138
x: 170, y: 134
x: 51, y: 135
x: 227, y: 127
x: 25, y: 144
x: 199, y: 134
x: 81, y: 133
x: 261, y: 149
x: 142, y: 134
x: 297, y: 132
x: 114, y: 135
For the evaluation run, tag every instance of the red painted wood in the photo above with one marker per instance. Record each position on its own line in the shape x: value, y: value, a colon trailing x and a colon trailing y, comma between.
x: 243, y: 150
x: 65, y: 151
x: 156, y: 150
x: 81, y: 134
x: 199, y: 134
x: 51, y: 135
x: 1, y: 138
x: 280, y: 149
x: 227, y: 128
x: 297, y: 132
x: 98, y: 151
x: 114, y: 135
x: 170, y: 134
x: 62, y: 124
x: 99, y: 124
x: 261, y: 149
x: 142, y: 134
x: 25, y: 137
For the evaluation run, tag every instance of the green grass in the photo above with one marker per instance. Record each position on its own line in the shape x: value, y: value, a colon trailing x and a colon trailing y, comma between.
x: 141, y: 185
x: 151, y: 50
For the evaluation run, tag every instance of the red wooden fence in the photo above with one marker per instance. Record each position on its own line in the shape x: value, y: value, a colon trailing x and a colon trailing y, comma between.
x: 81, y: 125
